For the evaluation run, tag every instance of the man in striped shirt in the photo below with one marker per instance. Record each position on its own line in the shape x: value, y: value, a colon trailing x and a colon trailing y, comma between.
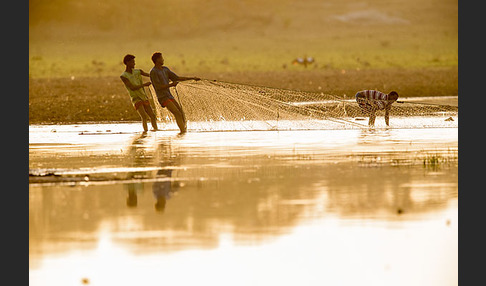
x: 372, y: 100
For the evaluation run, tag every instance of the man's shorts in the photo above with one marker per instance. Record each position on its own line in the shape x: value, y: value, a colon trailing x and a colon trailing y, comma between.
x: 164, y: 101
x: 363, y: 103
x: 141, y: 103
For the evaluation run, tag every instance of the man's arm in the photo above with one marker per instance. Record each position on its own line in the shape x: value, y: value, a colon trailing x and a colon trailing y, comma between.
x: 183, y: 78
x: 175, y: 77
x: 144, y: 73
x: 129, y: 85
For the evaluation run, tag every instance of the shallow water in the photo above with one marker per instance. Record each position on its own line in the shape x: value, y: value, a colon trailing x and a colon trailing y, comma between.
x: 111, y: 206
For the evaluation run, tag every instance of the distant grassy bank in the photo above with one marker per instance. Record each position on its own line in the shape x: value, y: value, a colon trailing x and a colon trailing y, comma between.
x: 104, y: 98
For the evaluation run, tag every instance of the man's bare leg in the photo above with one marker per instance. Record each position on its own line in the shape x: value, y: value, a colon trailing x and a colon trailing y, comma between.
x: 179, y: 116
x: 144, y: 116
x: 151, y: 115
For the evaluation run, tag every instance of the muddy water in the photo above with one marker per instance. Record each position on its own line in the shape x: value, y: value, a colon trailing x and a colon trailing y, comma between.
x: 111, y: 206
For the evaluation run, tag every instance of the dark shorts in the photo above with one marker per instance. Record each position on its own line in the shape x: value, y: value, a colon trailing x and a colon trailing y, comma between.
x: 363, y: 103
x: 141, y: 103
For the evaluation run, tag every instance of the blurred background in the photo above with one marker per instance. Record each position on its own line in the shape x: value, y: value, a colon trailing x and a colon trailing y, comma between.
x: 73, y: 37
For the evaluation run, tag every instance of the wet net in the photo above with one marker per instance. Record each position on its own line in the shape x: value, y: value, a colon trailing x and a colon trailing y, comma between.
x: 211, y: 105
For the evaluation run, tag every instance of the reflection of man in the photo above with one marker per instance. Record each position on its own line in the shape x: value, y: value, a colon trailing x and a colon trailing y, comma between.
x: 132, y: 195
x: 162, y: 189
x: 137, y: 151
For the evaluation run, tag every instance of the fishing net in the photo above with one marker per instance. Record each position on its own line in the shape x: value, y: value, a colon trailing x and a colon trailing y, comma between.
x: 211, y: 105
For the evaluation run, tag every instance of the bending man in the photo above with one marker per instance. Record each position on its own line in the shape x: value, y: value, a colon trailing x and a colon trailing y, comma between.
x: 372, y: 100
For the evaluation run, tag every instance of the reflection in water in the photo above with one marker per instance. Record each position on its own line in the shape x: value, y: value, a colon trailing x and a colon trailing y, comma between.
x: 254, y: 197
x: 287, y: 205
x: 138, y: 151
x: 162, y: 189
x: 132, y: 198
x: 142, y: 155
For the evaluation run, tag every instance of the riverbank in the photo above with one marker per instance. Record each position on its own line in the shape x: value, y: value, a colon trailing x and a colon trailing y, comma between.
x: 104, y: 98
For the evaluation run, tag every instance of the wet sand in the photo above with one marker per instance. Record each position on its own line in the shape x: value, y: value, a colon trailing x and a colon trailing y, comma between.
x: 109, y: 205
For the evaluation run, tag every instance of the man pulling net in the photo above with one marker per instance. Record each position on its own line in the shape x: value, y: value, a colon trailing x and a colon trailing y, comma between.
x: 162, y: 79
x: 213, y: 105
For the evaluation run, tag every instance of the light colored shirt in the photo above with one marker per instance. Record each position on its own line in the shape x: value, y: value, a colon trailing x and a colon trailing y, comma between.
x: 135, y: 78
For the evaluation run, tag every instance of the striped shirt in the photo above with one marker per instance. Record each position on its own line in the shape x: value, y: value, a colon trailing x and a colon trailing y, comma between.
x: 375, y: 98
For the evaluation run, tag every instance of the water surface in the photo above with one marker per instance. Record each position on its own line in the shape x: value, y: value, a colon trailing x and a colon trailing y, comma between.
x: 109, y: 205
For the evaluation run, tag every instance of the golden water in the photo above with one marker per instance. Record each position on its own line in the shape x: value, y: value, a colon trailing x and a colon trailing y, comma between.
x: 315, y: 207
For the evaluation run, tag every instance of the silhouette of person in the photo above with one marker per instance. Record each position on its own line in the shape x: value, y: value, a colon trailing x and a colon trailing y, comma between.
x: 162, y: 79
x: 132, y: 78
x: 132, y: 198
x: 371, y: 101
x: 162, y: 190
x: 136, y: 151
